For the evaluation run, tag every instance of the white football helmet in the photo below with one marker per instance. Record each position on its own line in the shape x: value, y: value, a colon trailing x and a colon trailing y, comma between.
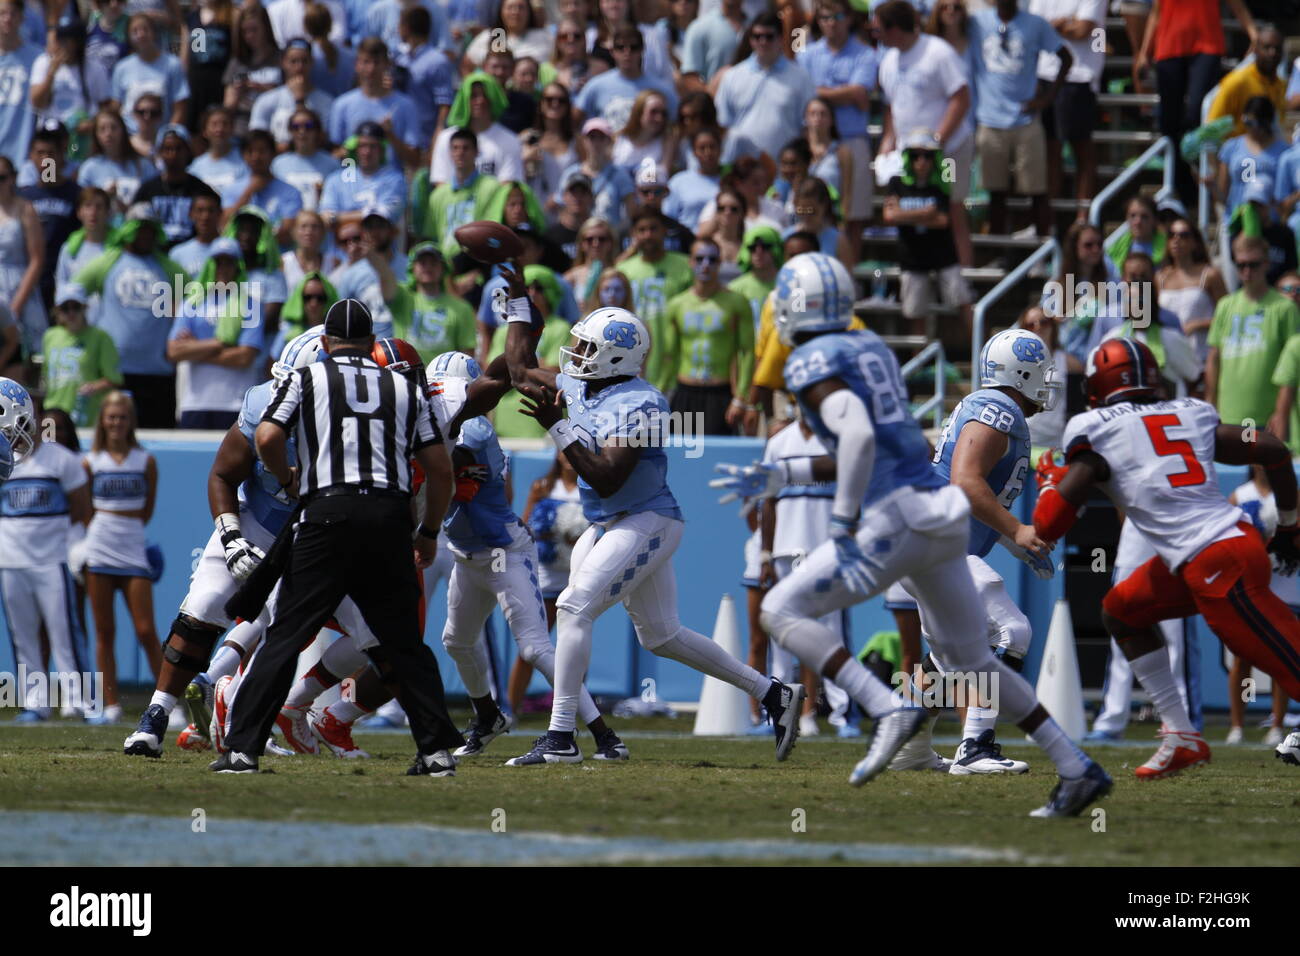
x: 1017, y: 358
x: 299, y: 353
x: 610, y: 342
x: 17, y: 418
x: 453, y: 365
x: 449, y: 375
x: 814, y: 293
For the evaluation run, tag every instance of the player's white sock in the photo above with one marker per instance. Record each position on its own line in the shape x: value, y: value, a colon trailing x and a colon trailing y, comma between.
x: 572, y: 656
x: 697, y: 651
x: 1070, y: 760
x: 978, y: 720
x: 1157, y: 679
x: 346, y: 711
x: 544, y: 661
x: 472, y: 664
x: 166, y: 701
x: 306, y: 690
x: 224, y: 663
x: 867, y: 689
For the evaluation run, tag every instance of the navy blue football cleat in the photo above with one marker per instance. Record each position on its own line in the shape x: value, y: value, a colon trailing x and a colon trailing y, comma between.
x: 148, y: 737
x: 1070, y: 796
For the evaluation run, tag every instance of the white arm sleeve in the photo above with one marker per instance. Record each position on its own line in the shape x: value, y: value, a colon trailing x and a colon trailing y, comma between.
x: 855, y: 450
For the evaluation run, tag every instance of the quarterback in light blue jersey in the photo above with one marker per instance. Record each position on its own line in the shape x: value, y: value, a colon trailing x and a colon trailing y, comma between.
x: 894, y: 518
x: 613, y: 436
x: 496, y: 563
x: 249, y: 508
x: 984, y: 450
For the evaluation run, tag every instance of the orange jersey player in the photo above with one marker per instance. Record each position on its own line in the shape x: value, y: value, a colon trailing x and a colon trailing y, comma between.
x: 1155, y: 459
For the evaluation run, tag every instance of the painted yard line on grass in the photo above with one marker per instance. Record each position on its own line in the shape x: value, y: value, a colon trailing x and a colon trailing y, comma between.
x: 63, y: 839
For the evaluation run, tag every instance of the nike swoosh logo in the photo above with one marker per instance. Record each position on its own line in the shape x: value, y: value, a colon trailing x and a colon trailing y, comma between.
x: 1210, y: 579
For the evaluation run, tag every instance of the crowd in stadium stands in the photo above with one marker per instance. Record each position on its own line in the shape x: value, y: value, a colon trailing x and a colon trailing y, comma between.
x: 664, y: 155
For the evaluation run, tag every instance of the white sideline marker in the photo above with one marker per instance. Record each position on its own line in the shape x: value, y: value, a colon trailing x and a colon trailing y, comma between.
x: 724, y: 710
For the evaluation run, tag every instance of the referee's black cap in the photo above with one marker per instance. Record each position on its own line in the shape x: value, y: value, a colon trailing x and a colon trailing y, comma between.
x: 348, y: 319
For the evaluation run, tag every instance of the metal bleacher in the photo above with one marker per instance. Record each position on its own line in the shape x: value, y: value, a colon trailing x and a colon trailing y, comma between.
x: 1126, y: 128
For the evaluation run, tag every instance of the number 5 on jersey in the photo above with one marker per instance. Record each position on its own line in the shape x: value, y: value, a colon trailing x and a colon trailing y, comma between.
x: 1166, y: 446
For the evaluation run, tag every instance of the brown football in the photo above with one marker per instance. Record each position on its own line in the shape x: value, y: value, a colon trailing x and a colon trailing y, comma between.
x: 489, y: 242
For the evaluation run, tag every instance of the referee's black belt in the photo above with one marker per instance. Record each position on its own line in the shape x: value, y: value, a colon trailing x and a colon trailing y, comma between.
x: 362, y: 491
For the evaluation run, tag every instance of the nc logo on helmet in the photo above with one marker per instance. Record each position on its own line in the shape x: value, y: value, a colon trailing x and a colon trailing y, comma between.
x: 621, y: 334
x: 1028, y: 350
x: 11, y: 389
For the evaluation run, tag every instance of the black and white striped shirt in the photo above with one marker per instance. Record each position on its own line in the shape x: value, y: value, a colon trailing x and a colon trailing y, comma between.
x: 356, y: 424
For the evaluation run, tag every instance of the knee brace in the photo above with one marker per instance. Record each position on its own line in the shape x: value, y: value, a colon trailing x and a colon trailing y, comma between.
x: 1016, y: 663
x: 193, y: 632
x: 1014, y: 638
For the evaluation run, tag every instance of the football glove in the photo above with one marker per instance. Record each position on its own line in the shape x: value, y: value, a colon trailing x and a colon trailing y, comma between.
x: 242, y: 556
x: 1051, y: 468
x: 1285, y: 550
x: 751, y: 482
x: 852, y: 562
x: 1043, y: 567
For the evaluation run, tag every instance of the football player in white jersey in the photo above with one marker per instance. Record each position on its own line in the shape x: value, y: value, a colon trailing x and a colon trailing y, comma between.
x: 1155, y: 459
x: 894, y: 517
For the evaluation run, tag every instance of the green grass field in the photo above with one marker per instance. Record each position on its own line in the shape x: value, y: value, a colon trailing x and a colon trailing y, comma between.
x: 708, y: 796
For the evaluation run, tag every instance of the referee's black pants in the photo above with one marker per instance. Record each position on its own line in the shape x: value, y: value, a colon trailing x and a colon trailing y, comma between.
x: 356, y: 546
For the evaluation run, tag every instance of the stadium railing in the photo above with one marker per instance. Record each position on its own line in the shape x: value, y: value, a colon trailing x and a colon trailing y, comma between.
x: 1049, y: 249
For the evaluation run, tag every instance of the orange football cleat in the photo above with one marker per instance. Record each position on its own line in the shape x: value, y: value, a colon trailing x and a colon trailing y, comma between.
x: 336, y: 735
x: 1178, y: 751
x: 191, y: 739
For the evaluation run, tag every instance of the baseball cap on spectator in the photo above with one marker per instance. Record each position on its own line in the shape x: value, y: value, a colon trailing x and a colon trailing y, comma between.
x: 576, y: 177
x: 650, y: 175
x: 373, y: 211
x: 348, y: 319
x: 425, y: 249
x: 1260, y: 190
x: 70, y: 28
x: 1171, y: 208
x: 172, y: 129
x: 224, y: 246
x: 372, y: 129
x: 597, y: 125
x: 298, y: 43
x: 922, y: 139
x: 142, y: 212
x: 69, y: 292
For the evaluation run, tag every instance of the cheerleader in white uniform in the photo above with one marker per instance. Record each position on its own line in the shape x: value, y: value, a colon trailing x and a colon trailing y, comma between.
x: 124, y: 483
x: 553, y: 513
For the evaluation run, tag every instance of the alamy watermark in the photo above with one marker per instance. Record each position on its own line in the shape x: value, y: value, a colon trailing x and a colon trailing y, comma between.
x: 644, y: 428
x: 215, y: 299
x: 1071, y: 299
x: 82, y: 691
x: 949, y: 689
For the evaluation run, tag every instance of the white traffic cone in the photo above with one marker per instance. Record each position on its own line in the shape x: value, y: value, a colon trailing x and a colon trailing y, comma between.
x: 724, y: 710
x: 1059, y: 687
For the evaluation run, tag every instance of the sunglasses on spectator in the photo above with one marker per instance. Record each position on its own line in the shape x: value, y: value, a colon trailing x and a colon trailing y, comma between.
x: 1091, y: 244
x: 592, y: 240
x: 624, y: 47
x: 141, y: 111
x: 1180, y: 234
x: 729, y: 208
x: 571, y: 36
x: 705, y: 259
x: 835, y: 17
x: 302, y: 127
x: 1249, y: 264
x: 555, y: 100
x: 1289, y: 289
x: 763, y: 37
x: 652, y: 190
x: 314, y: 297
x: 348, y: 240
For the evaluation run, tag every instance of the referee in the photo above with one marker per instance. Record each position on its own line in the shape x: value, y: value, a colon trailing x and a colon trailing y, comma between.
x: 357, y: 427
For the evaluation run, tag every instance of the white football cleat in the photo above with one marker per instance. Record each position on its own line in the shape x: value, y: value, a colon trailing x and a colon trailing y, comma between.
x: 919, y: 753
x: 1234, y: 737
x: 984, y: 755
x: 1288, y: 751
x: 1274, y: 736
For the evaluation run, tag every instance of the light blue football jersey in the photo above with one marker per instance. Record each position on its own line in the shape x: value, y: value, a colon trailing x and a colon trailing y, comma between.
x: 633, y: 412
x: 260, y: 493
x: 997, y: 410
x: 866, y: 365
x: 485, y: 521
